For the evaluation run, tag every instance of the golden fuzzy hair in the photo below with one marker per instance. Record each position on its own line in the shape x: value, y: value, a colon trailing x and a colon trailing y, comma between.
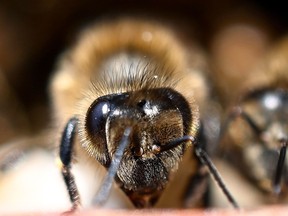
x: 90, y: 69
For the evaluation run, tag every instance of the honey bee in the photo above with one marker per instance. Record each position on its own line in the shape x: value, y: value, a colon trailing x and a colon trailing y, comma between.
x: 129, y: 96
x: 254, y: 136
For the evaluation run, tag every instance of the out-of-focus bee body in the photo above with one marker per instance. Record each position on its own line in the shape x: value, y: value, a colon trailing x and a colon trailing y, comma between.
x: 256, y: 133
x: 130, y: 74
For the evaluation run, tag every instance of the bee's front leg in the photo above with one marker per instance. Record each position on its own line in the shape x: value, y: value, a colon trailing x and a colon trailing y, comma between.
x: 66, y: 152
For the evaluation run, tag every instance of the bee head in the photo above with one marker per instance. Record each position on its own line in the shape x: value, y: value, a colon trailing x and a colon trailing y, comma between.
x: 156, y: 116
x: 262, y: 138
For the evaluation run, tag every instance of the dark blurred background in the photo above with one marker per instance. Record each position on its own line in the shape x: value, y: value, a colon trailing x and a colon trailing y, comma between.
x: 34, y: 32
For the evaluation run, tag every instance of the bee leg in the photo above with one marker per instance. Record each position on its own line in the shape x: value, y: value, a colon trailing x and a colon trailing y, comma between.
x: 196, y: 190
x: 197, y: 186
x: 66, y: 151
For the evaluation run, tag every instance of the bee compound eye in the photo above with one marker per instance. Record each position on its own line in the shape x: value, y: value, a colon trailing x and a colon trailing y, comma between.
x: 96, y: 116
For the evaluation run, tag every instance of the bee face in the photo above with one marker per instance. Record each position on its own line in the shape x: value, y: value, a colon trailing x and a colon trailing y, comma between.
x: 258, y: 145
x: 116, y: 79
x: 156, y: 117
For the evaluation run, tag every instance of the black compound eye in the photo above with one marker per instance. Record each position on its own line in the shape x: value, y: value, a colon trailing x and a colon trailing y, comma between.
x: 96, y: 116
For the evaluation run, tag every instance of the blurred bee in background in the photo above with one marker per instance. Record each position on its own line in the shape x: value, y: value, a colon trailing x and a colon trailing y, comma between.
x: 129, y: 96
x: 254, y: 136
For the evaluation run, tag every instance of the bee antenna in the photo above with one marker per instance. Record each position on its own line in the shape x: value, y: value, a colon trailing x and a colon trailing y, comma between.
x: 280, y: 167
x: 176, y: 142
x: 105, y: 188
x: 216, y: 175
x: 205, y: 159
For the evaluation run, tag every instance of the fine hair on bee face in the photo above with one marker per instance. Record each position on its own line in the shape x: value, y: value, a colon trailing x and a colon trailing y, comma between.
x: 129, y: 95
x: 255, y: 134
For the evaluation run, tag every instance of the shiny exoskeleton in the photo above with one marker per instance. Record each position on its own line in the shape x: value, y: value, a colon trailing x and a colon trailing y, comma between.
x: 156, y: 117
